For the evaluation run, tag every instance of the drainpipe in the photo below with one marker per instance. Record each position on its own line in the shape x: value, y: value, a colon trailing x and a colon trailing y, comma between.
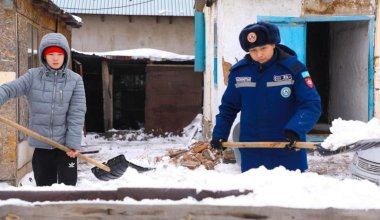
x: 200, y: 44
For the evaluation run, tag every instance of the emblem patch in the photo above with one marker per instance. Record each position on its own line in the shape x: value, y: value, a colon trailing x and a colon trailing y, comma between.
x: 71, y: 165
x: 252, y: 37
x: 286, y: 92
x: 309, y: 82
x: 305, y: 74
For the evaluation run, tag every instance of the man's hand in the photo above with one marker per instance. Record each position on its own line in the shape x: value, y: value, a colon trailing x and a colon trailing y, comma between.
x: 72, y: 153
x: 217, y: 144
x: 292, y: 137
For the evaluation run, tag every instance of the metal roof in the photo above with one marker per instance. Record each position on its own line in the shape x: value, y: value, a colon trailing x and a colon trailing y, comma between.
x: 128, y: 7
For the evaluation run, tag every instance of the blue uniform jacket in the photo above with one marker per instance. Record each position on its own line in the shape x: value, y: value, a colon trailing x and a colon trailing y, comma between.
x: 272, y: 97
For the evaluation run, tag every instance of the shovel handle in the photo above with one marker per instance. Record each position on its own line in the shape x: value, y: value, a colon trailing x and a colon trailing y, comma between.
x: 309, y: 145
x: 52, y: 143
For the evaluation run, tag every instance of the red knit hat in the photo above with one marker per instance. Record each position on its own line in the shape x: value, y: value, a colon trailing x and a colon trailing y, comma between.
x: 53, y: 49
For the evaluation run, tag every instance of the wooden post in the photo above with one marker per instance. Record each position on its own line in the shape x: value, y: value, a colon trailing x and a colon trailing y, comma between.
x: 107, y: 97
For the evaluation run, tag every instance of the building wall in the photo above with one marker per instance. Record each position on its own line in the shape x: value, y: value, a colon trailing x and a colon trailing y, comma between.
x: 108, y: 33
x: 14, y: 34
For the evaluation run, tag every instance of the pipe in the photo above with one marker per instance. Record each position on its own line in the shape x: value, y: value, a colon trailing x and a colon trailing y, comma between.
x: 200, y: 42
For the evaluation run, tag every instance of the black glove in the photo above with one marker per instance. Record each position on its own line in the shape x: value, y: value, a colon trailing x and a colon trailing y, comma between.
x: 292, y: 137
x: 217, y: 143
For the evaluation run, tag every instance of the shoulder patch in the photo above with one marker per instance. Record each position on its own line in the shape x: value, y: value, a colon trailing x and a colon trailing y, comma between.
x: 309, y: 82
x: 305, y: 74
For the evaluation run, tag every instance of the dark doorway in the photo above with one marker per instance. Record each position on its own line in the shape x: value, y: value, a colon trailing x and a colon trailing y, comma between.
x: 317, y: 53
x: 92, y: 79
x: 128, y: 95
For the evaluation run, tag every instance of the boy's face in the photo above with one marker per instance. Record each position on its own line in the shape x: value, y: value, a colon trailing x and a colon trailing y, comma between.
x: 55, y: 60
x: 262, y: 54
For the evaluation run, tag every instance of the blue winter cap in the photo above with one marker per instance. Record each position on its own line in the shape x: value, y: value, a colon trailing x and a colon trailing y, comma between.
x: 259, y: 34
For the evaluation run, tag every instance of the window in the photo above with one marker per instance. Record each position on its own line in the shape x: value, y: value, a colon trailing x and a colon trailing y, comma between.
x: 32, y: 37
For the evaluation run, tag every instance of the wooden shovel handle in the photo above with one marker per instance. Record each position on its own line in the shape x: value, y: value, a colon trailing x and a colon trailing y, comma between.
x: 309, y: 145
x: 52, y: 143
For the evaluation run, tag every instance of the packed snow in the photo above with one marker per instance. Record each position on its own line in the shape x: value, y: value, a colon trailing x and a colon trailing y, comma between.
x: 278, y: 187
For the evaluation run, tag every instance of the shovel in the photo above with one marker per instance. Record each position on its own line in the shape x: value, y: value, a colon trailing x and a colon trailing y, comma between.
x: 114, y: 168
x: 359, y: 145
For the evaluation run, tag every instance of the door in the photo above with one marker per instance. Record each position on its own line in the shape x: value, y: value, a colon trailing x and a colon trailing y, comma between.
x: 293, y: 35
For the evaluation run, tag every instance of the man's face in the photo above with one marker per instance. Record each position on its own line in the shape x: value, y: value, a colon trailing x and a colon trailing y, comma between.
x: 55, y: 60
x: 262, y: 54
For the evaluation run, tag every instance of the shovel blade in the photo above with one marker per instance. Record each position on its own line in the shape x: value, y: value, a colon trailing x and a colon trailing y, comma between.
x: 118, y: 166
x: 357, y: 146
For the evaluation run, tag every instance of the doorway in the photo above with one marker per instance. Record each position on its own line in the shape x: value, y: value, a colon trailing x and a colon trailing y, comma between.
x: 337, y: 58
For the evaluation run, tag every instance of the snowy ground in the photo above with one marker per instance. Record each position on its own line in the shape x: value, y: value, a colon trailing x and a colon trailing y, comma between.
x: 326, y: 184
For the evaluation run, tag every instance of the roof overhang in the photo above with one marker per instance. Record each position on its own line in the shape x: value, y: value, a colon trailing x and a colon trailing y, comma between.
x: 52, y: 8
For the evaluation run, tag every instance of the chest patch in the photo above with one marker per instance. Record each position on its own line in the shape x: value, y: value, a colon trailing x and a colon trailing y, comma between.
x: 244, y: 82
x: 284, y: 77
x: 286, y: 92
x: 243, y: 79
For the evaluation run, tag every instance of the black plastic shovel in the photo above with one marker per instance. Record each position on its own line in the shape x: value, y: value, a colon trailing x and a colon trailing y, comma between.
x: 118, y: 166
x: 113, y: 169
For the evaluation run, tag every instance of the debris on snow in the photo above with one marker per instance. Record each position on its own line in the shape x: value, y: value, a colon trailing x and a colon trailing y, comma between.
x: 198, y: 154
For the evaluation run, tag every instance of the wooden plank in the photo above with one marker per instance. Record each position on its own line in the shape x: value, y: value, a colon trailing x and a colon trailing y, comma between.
x: 109, y: 210
x: 119, y: 194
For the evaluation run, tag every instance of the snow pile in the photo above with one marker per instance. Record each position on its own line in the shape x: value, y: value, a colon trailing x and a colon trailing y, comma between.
x: 348, y: 132
x: 143, y: 53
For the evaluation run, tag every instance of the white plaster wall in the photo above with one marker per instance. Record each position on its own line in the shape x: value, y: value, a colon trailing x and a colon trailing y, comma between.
x: 7, y: 77
x: 207, y: 80
x: 349, y: 71
x: 231, y: 18
x: 118, y: 33
x: 24, y: 154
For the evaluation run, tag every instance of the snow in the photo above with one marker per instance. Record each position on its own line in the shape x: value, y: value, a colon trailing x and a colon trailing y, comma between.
x: 278, y: 187
x: 77, y: 18
x: 348, y: 132
x: 143, y: 53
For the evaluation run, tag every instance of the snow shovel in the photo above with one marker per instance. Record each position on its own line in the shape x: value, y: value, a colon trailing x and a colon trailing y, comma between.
x: 359, y: 145
x: 113, y: 169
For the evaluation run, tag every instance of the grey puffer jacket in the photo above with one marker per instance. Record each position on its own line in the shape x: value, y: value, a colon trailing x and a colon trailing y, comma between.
x: 56, y: 98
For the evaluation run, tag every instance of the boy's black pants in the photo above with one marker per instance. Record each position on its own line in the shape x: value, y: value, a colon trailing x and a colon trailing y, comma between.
x: 54, y: 166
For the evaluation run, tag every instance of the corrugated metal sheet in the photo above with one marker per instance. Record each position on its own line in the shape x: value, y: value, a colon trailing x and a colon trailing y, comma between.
x: 128, y: 7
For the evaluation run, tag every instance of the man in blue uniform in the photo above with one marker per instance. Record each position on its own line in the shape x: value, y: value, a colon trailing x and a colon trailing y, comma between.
x: 277, y: 99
